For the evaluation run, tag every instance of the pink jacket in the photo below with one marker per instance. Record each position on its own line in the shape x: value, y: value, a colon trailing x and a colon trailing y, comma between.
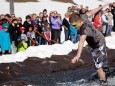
x: 0, y: 27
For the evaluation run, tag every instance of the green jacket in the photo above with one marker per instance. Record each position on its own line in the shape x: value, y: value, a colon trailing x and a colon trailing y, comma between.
x: 22, y: 46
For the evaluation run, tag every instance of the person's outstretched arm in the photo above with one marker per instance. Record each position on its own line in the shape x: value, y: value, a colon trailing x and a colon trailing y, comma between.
x: 92, y: 12
x: 80, y: 47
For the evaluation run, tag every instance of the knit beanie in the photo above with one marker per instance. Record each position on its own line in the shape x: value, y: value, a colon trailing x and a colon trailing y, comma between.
x: 5, y: 25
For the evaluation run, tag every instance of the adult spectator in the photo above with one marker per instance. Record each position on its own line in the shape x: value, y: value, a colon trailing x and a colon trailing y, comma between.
x: 56, y: 24
x: 66, y: 26
x: 5, y: 42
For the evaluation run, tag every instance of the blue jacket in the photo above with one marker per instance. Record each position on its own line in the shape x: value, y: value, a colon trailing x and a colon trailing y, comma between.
x: 5, y: 42
x: 73, y: 30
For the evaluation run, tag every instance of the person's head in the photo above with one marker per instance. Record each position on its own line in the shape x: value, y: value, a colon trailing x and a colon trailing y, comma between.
x: 19, y: 20
x: 55, y: 14
x: 87, y: 8
x: 59, y: 15
x: 7, y: 16
x: 66, y: 15
x: 47, y: 26
x: 76, y: 7
x: 107, y: 10
x: 83, y: 10
x: 34, y: 16
x: 44, y: 18
x: 4, y: 21
x: 76, y: 21
x: 28, y: 18
x: 113, y: 4
x: 5, y: 26
x: 31, y: 28
x: 81, y: 6
x: 100, y: 12
x: 22, y: 29
x: 45, y: 11
x: 13, y: 16
x: 2, y: 16
x: 69, y: 9
x: 52, y: 14
x: 41, y: 14
x: 14, y: 22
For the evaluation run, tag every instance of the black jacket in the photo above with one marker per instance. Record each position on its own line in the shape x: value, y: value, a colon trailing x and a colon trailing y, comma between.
x: 65, y: 23
x: 113, y: 12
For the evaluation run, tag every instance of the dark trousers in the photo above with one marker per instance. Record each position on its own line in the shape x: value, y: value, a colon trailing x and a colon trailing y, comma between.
x: 66, y: 34
x: 56, y: 34
x: 114, y: 25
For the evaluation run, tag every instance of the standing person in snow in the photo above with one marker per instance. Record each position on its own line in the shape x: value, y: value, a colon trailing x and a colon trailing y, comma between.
x: 22, y: 46
x: 95, y: 40
x: 56, y: 25
x: 5, y: 42
x: 47, y: 33
x: 31, y: 36
x: 14, y: 34
x: 66, y: 26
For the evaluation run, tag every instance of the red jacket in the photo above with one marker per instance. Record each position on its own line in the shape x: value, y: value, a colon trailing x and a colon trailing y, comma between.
x: 97, y: 21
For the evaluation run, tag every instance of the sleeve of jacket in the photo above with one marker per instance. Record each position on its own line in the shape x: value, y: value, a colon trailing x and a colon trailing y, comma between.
x: 9, y: 42
x: 59, y: 21
x: 53, y: 21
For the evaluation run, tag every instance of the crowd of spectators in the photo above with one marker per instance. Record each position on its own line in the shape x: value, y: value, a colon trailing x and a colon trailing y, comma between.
x: 42, y: 29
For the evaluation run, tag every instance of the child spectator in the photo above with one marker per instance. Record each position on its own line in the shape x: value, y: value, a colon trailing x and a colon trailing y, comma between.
x: 31, y: 36
x: 73, y: 34
x: 22, y: 46
x: 5, y: 39
x: 47, y: 33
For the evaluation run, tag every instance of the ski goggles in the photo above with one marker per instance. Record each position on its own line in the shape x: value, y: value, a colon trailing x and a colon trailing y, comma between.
x: 76, y: 24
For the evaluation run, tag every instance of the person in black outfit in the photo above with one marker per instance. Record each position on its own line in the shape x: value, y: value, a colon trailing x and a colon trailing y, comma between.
x: 66, y: 26
x: 14, y: 31
x: 27, y: 23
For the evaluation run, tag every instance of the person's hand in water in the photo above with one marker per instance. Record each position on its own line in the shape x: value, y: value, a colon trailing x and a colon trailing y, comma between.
x: 75, y: 59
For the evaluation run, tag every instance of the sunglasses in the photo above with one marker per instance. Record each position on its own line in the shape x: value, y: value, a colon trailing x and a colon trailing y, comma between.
x: 5, y: 27
x: 76, y: 24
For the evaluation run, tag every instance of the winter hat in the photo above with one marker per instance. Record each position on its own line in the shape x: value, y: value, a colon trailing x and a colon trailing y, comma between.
x: 5, y: 25
x: 21, y: 29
